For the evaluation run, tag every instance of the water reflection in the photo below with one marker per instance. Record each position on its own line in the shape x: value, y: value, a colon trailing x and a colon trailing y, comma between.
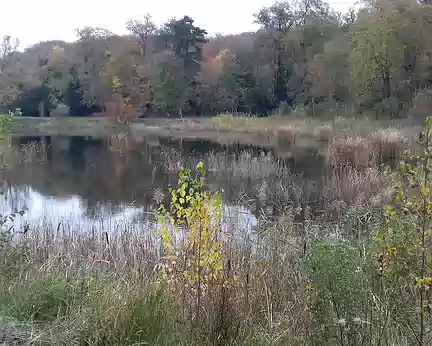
x: 67, y: 211
x: 108, y: 183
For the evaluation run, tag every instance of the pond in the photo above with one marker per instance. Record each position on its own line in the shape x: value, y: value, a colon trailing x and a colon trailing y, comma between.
x: 115, y: 183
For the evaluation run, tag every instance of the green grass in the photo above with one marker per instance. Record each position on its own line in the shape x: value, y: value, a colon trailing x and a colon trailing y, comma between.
x: 96, y: 312
x: 60, y: 300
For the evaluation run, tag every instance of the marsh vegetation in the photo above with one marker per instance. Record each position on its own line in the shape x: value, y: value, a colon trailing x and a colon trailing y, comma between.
x: 121, y: 241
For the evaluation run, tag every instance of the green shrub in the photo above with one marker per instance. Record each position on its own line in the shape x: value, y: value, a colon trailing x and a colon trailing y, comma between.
x: 338, y: 293
x: 44, y: 299
x: 5, y: 122
x: 133, y: 316
x: 422, y: 106
x: 403, y: 245
x: 284, y: 109
x: 390, y: 107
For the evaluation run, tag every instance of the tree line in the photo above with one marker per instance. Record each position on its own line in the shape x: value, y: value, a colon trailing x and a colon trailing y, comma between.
x: 305, y: 55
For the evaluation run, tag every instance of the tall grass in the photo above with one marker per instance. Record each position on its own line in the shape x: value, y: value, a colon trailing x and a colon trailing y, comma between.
x: 353, y: 152
x: 287, y: 134
x: 324, y: 132
x: 103, y: 289
x: 388, y: 144
x: 245, y: 165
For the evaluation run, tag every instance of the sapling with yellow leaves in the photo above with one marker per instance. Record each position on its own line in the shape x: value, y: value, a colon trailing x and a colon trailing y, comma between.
x: 404, y: 244
x: 192, y: 237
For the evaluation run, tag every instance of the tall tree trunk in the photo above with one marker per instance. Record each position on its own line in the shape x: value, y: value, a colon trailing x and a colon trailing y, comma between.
x: 279, y: 82
x: 386, y: 87
x: 42, y: 109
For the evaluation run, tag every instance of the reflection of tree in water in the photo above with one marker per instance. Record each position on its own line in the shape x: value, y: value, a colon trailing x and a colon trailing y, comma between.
x: 112, y: 172
x: 93, y: 171
x: 78, y: 146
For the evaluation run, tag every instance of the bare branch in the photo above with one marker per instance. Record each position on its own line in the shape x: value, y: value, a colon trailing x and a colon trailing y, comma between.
x: 143, y: 29
x: 8, y: 48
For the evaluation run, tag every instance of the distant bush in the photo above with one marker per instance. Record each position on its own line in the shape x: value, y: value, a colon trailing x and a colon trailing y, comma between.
x: 284, y: 109
x: 298, y: 112
x: 390, y: 107
x: 120, y: 109
x: 329, y: 109
x: 61, y: 110
x: 422, y: 106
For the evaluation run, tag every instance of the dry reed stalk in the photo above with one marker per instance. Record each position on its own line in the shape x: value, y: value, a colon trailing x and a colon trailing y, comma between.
x: 129, y: 251
x: 323, y: 133
x: 353, y: 152
x: 358, y: 188
x: 246, y: 165
x: 388, y: 143
x: 287, y: 134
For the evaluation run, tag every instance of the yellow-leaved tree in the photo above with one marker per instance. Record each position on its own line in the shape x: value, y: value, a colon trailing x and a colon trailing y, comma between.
x: 192, y: 238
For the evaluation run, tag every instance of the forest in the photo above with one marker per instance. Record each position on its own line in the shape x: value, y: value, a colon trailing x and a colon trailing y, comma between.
x: 305, y: 56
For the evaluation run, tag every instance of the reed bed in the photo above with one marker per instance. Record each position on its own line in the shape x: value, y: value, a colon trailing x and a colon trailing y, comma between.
x: 323, y: 133
x: 353, y: 152
x: 245, y: 165
x: 358, y: 189
x: 35, y: 151
x: 287, y: 134
x: 388, y: 143
x: 102, y: 287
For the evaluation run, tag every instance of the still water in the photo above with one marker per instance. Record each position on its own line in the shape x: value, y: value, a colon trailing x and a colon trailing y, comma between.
x: 83, y: 183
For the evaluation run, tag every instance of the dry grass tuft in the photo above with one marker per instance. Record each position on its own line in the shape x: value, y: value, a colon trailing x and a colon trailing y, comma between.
x: 323, y: 133
x: 352, y: 152
x: 287, y: 134
x: 246, y: 165
x: 388, y: 143
x: 360, y: 189
x: 34, y: 152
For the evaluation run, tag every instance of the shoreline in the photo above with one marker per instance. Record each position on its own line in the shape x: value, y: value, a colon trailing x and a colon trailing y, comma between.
x: 250, y: 132
x: 268, y: 132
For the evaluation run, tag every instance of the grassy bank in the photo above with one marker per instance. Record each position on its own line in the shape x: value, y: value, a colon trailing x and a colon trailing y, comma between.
x: 266, y: 131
